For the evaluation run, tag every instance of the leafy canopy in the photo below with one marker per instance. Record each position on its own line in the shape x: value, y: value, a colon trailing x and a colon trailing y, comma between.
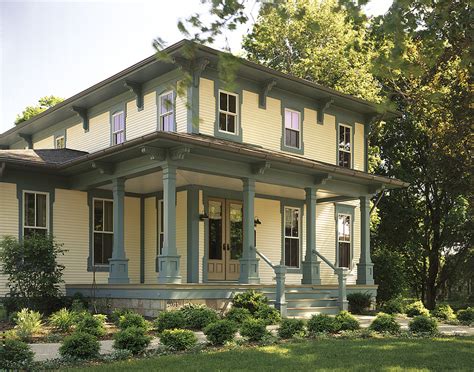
x: 44, y: 103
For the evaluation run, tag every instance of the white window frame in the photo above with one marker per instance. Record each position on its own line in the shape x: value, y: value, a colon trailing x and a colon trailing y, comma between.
x: 94, y: 231
x: 292, y: 237
x: 339, y: 149
x: 344, y: 241
x: 24, y: 214
x: 61, y: 137
x: 167, y: 113
x: 114, y: 133
x: 161, y: 242
x: 299, y: 128
x: 234, y: 114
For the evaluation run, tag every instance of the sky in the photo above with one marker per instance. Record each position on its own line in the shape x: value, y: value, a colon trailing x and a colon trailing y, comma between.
x: 63, y: 47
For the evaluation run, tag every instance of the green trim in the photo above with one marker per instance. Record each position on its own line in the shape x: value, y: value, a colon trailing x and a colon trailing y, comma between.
x: 113, y: 110
x: 290, y: 104
x: 293, y: 204
x: 365, y: 274
x: 344, y: 209
x: 170, y: 88
x: 192, y: 215
x: 142, y: 238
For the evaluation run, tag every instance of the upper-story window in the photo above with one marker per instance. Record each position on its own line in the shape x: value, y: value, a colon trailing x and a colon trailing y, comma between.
x: 292, y: 128
x: 103, y: 231
x: 35, y: 213
x: 344, y: 240
x: 228, y: 112
x: 166, y: 109
x: 292, y: 237
x: 345, y: 146
x: 59, y: 142
x: 118, y: 128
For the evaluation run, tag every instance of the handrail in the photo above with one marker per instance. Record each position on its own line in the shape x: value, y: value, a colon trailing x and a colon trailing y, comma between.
x: 266, y: 259
x: 326, y: 260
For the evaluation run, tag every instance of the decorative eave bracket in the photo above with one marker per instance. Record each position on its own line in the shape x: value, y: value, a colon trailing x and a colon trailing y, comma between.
x: 82, y: 112
x: 137, y: 89
x: 266, y: 87
x: 322, y: 106
x: 103, y: 167
x: 321, y: 179
x: 194, y: 67
x: 376, y: 188
x: 154, y: 153
x: 178, y: 153
x: 28, y: 139
x: 260, y: 167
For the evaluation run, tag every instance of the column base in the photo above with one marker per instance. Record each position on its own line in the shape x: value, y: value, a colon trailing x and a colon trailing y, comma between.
x: 311, y: 273
x: 118, y: 271
x: 365, y: 274
x: 249, y: 271
x: 168, y: 270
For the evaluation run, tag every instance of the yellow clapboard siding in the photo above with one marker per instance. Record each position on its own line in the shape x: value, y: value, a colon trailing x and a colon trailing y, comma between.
x: 181, y: 232
x: 97, y: 138
x: 207, y: 107
x: 132, y: 237
x: 319, y: 139
x: 359, y: 147
x: 9, y: 221
x: 150, y: 240
x: 45, y: 143
x: 139, y: 123
x: 181, y: 113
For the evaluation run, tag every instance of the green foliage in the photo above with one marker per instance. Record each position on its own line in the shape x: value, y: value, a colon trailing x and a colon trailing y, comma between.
x: 119, y: 354
x: 44, y: 103
x: 116, y: 314
x: 423, y: 324
x: 444, y: 312
x: 63, y: 320
x: 27, y: 323
x: 220, y: 332
x: 268, y: 314
x: 389, y: 273
x: 238, y: 315
x: 345, y: 321
x: 250, y: 300
x: 87, y: 323
x: 416, y: 308
x: 132, y: 338
x: 466, y: 316
x: 359, y: 302
x: 197, y: 317
x: 178, y: 339
x: 393, y: 306
x: 290, y: 328
x: 321, y: 323
x: 15, y: 355
x: 253, y: 329
x: 132, y: 320
x: 385, y: 323
x: 169, y: 320
x: 80, y: 345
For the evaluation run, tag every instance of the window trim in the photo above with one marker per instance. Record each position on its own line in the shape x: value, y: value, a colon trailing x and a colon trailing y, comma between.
x: 59, y: 137
x: 286, y: 109
x: 94, y: 199
x: 344, y: 209
x: 112, y: 116
x: 285, y: 207
x: 351, y: 139
x: 351, y: 238
x: 23, y: 222
x: 173, y: 110
x: 236, y: 114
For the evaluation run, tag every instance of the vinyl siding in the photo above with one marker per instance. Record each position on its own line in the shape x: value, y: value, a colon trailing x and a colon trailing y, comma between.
x: 150, y: 240
x: 132, y: 237
x: 319, y: 139
x: 359, y: 147
x: 139, y: 123
x: 8, y: 220
x: 97, y: 138
x: 207, y: 107
x: 45, y: 143
x: 181, y: 113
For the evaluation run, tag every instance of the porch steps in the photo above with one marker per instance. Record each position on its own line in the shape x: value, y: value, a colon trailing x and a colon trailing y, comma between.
x: 306, y: 312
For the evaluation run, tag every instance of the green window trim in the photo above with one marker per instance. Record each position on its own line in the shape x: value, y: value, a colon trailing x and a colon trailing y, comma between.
x: 35, y: 225
x: 344, y: 209
x: 296, y: 204
x: 218, y: 88
x: 116, y: 109
x: 159, y: 95
x: 292, y: 105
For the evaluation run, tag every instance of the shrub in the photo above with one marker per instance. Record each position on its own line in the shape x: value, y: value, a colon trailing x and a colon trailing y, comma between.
x: 238, y: 315
x: 15, y: 355
x: 268, y: 314
x: 423, y: 324
x: 444, y: 312
x: 116, y: 314
x: 416, y: 308
x: 79, y: 302
x: 220, y: 332
x: 321, y: 323
x: 253, y: 329
x: 92, y: 325
x: 178, y: 339
x: 131, y: 338
x: 385, y: 323
x: 169, y: 320
x: 28, y: 322
x: 466, y: 316
x: 132, y: 320
x: 80, y: 345
x: 63, y: 320
x: 393, y: 306
x: 250, y: 300
x: 359, y: 302
x: 290, y: 328
x: 197, y: 317
x: 345, y: 321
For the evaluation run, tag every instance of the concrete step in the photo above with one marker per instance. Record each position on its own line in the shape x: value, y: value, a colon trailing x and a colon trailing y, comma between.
x: 307, y: 312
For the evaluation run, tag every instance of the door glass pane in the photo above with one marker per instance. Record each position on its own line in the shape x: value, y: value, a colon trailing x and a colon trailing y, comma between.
x: 215, y: 230
x: 236, y: 231
x: 40, y: 210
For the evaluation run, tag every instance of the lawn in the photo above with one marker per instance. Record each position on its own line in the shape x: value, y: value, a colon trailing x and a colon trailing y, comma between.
x: 439, y: 354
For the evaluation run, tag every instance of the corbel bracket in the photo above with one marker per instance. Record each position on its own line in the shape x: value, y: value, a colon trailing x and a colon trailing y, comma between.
x: 3, y: 167
x: 260, y: 167
x: 28, y: 139
x: 198, y: 66
x: 321, y: 179
x: 323, y: 105
x: 374, y: 189
x: 154, y: 153
x: 178, y: 153
x: 103, y: 167
x: 82, y: 112
x: 136, y: 88
x: 266, y: 87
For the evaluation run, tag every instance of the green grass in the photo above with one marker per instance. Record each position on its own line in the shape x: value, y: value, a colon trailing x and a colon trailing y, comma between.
x: 441, y: 354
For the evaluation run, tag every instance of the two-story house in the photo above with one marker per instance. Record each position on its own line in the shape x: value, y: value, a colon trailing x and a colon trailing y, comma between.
x: 162, y: 198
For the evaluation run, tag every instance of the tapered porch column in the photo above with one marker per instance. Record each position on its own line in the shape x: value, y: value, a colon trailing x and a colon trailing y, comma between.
x: 249, y: 260
x: 168, y: 261
x: 118, y: 264
x: 311, y: 263
x: 365, y: 267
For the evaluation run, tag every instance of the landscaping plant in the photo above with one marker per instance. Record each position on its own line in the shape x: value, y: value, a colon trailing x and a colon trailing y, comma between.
x: 116, y: 314
x: 290, y: 328
x: 93, y: 325
x: 27, y: 323
x: 250, y: 300
x: 321, y: 323
x: 359, y: 302
x: 385, y: 323
x: 443, y: 312
x: 131, y: 319
x: 416, y: 308
x: 220, y: 332
x: 268, y: 314
x: 80, y: 345
x: 393, y: 306
x: 178, y: 339
x: 345, y: 321
x: 466, y: 316
x: 169, y: 320
x: 238, y: 315
x: 132, y: 338
x: 63, y: 320
x: 15, y: 355
x: 253, y: 330
x: 197, y: 317
x: 423, y: 324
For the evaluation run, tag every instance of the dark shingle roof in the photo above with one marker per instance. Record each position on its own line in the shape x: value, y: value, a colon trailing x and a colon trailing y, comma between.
x: 44, y: 157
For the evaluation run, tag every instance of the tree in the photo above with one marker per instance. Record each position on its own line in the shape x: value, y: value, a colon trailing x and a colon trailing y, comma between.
x: 44, y: 103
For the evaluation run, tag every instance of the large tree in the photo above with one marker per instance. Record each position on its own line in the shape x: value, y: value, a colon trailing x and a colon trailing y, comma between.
x: 44, y: 103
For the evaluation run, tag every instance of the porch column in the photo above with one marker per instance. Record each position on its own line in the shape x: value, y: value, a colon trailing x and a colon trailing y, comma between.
x: 249, y: 260
x: 168, y: 261
x: 311, y: 274
x: 118, y: 264
x: 365, y: 267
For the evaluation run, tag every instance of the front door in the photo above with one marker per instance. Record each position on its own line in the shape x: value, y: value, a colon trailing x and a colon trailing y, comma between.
x: 225, y: 239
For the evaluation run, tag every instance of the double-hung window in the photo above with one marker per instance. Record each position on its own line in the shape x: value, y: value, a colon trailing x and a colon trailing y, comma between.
x: 344, y: 240
x: 228, y: 112
x: 35, y: 213
x: 345, y: 146
x: 118, y: 128
x: 166, y: 119
x: 292, y: 237
x: 59, y: 142
x: 292, y: 129
x: 103, y: 230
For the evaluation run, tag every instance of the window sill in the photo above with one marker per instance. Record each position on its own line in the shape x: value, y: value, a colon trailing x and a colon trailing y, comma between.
x: 228, y: 136
x: 293, y: 270
x: 98, y: 268
x: 294, y: 150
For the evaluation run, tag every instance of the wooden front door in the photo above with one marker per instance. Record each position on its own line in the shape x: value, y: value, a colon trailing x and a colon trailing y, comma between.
x: 225, y: 239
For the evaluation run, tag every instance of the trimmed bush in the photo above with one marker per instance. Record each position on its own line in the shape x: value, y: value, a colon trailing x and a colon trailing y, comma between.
x: 63, y: 320
x: 132, y: 338
x: 359, y: 302
x: 253, y: 330
x: 416, y: 308
x: 444, y: 312
x: 92, y: 325
x: 393, y: 306
x: 27, y: 323
x: 80, y: 345
x: 290, y: 328
x: 178, y: 339
x: 238, y: 315
x: 250, y: 300
x: 220, y: 332
x: 15, y: 355
x: 197, y: 317
x: 268, y: 314
x: 116, y: 314
x: 423, y: 324
x: 169, y: 320
x: 466, y: 316
x: 385, y: 323
x: 322, y: 323
x: 130, y: 319
x: 345, y: 321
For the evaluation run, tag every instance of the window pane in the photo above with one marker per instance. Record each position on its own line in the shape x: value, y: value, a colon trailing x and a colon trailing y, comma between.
x: 166, y: 103
x: 291, y: 252
x: 29, y: 204
x: 98, y: 248
x: 40, y: 210
x: 291, y: 138
x: 222, y: 121
x: 223, y: 101
x: 233, y: 104
x: 295, y: 223
x: 287, y: 119
x: 288, y: 221
x: 344, y: 254
x: 160, y: 246
x: 231, y: 123
x: 107, y: 247
x: 108, y: 216
x: 295, y: 120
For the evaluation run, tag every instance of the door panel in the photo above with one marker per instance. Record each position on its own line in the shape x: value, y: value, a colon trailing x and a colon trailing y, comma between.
x: 234, y: 242
x: 216, y: 259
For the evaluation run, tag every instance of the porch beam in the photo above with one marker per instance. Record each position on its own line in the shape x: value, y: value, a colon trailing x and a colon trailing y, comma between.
x: 311, y: 264
x: 365, y: 267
